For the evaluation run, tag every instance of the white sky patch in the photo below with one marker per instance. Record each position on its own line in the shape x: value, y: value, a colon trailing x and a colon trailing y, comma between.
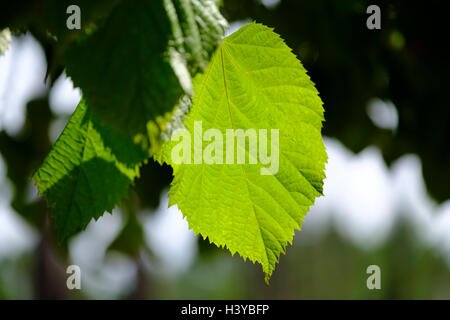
x: 364, y: 199
x: 170, y: 239
x: 270, y: 4
x: 103, y: 276
x: 235, y: 26
x: 358, y: 197
x: 431, y: 221
x: 56, y: 128
x: 63, y: 97
x: 16, y: 236
x: 383, y: 114
x: 439, y: 234
x: 22, y: 73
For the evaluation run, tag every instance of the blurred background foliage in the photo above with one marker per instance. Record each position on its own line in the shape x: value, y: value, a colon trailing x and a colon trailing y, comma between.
x: 405, y: 63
